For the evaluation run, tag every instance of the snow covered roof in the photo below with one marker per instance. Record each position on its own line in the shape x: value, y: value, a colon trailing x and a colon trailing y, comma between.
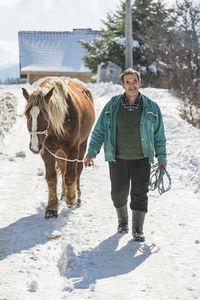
x: 54, y: 51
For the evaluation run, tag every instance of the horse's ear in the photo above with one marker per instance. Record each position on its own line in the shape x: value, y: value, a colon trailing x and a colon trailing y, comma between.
x: 25, y: 94
x: 48, y: 95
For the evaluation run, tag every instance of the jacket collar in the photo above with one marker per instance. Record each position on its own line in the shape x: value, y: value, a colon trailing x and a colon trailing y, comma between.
x: 145, y: 101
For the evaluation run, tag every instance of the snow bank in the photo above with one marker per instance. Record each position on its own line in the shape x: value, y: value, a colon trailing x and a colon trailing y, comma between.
x: 8, y: 110
x: 107, y: 89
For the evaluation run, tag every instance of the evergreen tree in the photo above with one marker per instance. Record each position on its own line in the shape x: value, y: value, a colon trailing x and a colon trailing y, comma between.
x: 110, y: 47
x: 150, y: 26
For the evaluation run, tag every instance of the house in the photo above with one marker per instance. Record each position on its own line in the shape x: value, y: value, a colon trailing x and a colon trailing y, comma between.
x: 54, y: 53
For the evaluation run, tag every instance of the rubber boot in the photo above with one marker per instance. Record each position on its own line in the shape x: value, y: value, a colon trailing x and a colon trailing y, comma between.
x: 122, y: 214
x: 137, y: 225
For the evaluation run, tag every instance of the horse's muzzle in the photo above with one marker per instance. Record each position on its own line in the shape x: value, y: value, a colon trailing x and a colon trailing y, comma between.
x: 35, y: 151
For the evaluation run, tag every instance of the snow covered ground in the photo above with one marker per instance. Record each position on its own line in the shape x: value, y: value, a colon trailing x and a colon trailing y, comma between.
x: 79, y: 256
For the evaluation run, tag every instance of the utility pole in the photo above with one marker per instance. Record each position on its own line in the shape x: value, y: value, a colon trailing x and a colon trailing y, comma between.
x: 129, y: 36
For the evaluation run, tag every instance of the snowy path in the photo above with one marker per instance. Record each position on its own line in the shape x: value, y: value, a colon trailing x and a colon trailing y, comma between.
x: 89, y: 260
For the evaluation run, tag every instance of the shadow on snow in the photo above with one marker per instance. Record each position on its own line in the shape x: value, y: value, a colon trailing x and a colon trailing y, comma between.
x: 103, y: 261
x: 30, y: 231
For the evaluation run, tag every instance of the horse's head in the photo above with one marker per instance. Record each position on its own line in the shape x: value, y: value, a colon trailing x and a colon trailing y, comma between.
x: 37, y: 112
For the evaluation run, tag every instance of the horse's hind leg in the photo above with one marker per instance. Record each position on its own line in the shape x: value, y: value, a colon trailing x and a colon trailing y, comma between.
x: 51, y: 210
x: 71, y: 177
x: 63, y: 187
x: 78, y: 191
x: 61, y: 164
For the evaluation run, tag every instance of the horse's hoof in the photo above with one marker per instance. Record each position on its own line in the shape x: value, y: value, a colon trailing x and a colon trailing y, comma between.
x: 51, y: 214
x: 78, y: 204
x: 70, y: 205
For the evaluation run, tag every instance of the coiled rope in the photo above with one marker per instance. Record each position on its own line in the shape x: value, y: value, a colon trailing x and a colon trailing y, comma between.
x: 157, y: 180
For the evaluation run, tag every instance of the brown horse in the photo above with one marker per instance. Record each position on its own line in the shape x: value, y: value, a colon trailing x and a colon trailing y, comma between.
x: 59, y: 119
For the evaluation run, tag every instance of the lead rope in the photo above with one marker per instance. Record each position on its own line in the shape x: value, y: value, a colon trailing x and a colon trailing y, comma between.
x: 63, y: 158
x: 157, y: 179
x: 66, y: 159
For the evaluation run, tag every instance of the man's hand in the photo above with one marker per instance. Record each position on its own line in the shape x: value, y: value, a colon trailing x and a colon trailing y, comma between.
x: 162, y: 163
x: 88, y: 161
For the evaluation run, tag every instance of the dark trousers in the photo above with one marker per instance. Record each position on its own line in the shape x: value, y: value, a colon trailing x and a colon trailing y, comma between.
x: 124, y: 173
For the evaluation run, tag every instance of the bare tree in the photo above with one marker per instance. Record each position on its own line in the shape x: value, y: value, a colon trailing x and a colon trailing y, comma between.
x: 186, y: 58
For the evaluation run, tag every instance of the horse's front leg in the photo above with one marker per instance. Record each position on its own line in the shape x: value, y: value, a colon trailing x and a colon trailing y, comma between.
x: 51, y: 210
x: 71, y: 178
x: 79, y: 170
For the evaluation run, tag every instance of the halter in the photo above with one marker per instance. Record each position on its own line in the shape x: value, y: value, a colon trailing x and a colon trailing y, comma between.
x: 45, y: 132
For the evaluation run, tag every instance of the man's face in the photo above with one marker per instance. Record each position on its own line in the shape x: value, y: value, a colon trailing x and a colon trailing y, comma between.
x: 131, y: 85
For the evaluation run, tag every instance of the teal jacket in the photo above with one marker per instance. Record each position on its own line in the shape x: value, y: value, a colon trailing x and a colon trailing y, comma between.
x: 151, y: 131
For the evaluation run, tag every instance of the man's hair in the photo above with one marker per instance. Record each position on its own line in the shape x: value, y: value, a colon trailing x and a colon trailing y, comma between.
x: 130, y: 71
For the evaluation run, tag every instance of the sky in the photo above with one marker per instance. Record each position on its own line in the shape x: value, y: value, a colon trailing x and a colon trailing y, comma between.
x: 50, y: 15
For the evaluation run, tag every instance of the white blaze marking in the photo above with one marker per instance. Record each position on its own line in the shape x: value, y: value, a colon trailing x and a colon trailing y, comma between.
x: 34, y: 139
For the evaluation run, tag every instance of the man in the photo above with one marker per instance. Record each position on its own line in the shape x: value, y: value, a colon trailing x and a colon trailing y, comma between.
x: 132, y: 131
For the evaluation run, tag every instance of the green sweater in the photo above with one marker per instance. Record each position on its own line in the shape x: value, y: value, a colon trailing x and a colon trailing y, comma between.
x: 128, y: 134
x: 151, y: 131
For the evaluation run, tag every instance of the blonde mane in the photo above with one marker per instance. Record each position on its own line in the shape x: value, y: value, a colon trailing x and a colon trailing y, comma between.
x: 55, y: 111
